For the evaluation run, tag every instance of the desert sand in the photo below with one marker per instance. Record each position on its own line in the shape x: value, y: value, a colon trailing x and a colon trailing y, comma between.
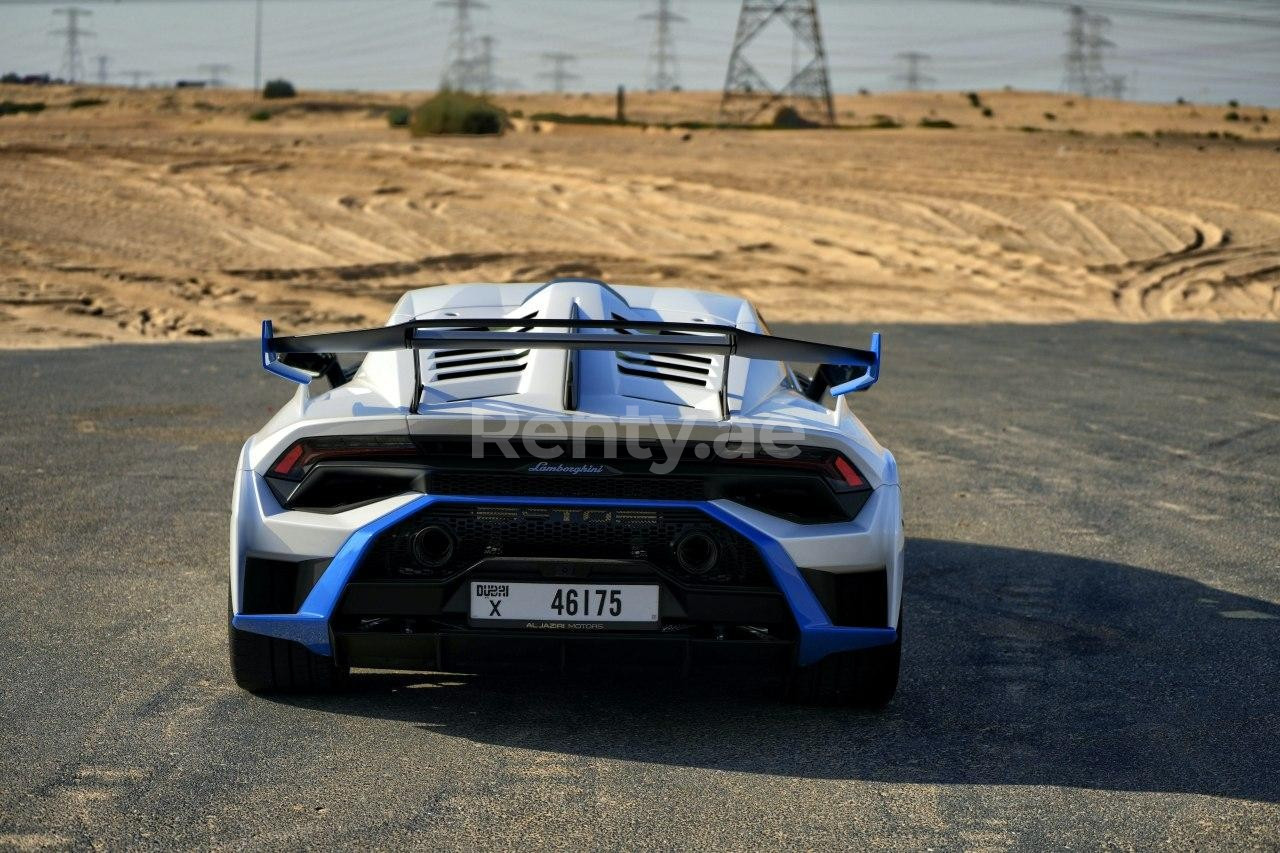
x: 160, y: 215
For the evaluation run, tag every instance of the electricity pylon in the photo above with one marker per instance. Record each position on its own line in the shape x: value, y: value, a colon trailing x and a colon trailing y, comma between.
x: 214, y: 73
x: 72, y: 68
x: 665, y: 76
x: 911, y: 75
x: 746, y: 91
x: 559, y: 74
x: 460, y: 70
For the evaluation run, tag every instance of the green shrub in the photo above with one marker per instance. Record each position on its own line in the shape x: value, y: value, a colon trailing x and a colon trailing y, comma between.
x: 1232, y: 116
x: 1050, y: 116
x: 8, y: 108
x: 260, y: 115
x: 574, y: 118
x: 1233, y: 103
x: 987, y: 112
x: 789, y: 118
x: 456, y: 112
x: 974, y: 100
x: 884, y: 121
x: 279, y: 89
x: 936, y: 122
x: 80, y: 103
x: 399, y: 116
x: 1028, y: 128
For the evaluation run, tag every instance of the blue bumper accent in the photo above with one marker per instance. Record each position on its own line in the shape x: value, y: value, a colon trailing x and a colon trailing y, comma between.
x: 310, y: 625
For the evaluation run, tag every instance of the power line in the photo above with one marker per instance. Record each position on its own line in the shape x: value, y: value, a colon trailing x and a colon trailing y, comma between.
x: 72, y: 68
x: 559, y: 74
x: 666, y: 75
x: 746, y: 91
x: 912, y: 75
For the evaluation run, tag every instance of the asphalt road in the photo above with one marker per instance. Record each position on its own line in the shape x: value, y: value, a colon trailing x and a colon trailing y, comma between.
x: 1093, y: 629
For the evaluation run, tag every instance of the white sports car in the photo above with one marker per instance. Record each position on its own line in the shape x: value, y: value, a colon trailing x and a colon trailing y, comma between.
x: 569, y: 475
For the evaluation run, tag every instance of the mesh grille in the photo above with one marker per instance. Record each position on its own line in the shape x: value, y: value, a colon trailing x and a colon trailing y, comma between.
x: 585, y: 533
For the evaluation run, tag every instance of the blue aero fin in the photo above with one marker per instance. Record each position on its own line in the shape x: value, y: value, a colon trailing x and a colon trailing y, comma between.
x: 272, y: 363
x: 867, y: 379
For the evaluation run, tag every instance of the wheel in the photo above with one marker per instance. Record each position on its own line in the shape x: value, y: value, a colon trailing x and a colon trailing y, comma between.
x: 865, y: 678
x: 268, y: 665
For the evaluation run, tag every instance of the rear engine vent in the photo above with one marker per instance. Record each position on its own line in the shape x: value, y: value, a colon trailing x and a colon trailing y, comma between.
x: 682, y: 368
x: 448, y: 364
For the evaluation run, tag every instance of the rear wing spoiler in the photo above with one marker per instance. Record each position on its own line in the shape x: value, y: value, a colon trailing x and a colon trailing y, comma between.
x: 301, y: 358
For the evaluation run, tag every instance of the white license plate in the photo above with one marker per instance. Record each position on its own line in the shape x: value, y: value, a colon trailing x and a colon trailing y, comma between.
x: 568, y: 605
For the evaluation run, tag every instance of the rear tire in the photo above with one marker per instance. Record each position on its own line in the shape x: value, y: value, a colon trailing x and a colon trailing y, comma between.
x: 263, y: 664
x: 865, y: 678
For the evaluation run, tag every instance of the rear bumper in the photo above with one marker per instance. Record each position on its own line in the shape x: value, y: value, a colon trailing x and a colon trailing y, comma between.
x: 312, y: 625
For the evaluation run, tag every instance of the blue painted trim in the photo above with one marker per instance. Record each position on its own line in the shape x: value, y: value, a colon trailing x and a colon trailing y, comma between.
x: 272, y: 363
x: 866, y: 380
x: 818, y: 637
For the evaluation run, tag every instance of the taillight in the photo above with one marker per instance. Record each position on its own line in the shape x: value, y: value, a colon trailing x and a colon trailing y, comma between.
x: 285, y: 464
x: 838, y: 471
x: 305, y: 453
x: 848, y: 473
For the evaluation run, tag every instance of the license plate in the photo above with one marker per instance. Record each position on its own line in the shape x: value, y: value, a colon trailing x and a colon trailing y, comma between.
x: 563, y: 605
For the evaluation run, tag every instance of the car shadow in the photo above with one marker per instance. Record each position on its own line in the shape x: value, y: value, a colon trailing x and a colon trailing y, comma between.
x: 1019, y: 668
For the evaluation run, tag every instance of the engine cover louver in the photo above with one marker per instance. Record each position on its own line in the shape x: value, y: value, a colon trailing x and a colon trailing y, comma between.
x: 459, y: 364
x: 681, y: 368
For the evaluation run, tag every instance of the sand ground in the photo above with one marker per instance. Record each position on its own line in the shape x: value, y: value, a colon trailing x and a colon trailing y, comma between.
x: 161, y: 215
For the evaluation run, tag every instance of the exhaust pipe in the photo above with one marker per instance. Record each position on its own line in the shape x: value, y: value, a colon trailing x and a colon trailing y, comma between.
x: 697, y: 553
x: 433, y: 546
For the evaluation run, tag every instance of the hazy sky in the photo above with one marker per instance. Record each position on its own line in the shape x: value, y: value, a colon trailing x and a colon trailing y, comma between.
x: 400, y: 44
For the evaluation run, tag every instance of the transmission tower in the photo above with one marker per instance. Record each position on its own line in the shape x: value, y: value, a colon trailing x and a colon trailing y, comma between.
x: 1075, y: 76
x: 746, y: 91
x: 912, y: 75
x: 72, y: 68
x: 103, y: 61
x: 665, y: 76
x: 559, y: 74
x: 257, y: 47
x: 214, y: 73
x: 485, y: 80
x: 1096, y: 44
x: 460, y: 66
x: 136, y: 76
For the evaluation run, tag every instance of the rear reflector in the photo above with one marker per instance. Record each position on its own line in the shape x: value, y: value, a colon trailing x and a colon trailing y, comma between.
x: 285, y: 464
x: 849, y: 473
